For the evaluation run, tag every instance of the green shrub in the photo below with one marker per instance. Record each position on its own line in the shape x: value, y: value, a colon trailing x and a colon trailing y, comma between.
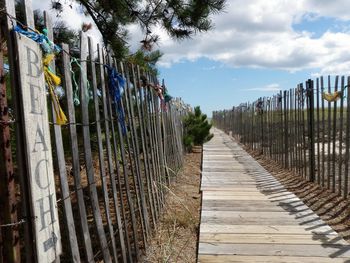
x: 196, y: 128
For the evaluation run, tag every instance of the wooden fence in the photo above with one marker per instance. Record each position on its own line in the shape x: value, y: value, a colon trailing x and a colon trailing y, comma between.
x: 96, y: 193
x: 299, y: 129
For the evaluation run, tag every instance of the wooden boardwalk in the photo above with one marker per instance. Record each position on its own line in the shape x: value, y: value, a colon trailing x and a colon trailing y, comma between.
x: 248, y: 216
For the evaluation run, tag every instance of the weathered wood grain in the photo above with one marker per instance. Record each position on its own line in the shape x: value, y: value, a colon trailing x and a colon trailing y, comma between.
x: 273, y: 239
x: 83, y: 224
x: 84, y: 97
x: 73, y: 243
x: 267, y: 259
x: 37, y: 144
x: 102, y: 166
x: 324, y: 250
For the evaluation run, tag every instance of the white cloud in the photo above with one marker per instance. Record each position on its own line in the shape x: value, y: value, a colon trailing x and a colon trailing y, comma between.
x: 259, y: 34
x: 267, y: 88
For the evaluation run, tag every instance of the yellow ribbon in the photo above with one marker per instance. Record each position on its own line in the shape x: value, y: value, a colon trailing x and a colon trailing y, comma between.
x: 53, y: 80
x: 331, y: 97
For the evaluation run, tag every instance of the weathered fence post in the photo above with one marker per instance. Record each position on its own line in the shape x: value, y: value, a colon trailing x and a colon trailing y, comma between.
x: 7, y: 27
x: 310, y: 111
x: 347, y: 144
x: 285, y: 124
x: 75, y: 170
x: 61, y: 162
x: 8, y: 204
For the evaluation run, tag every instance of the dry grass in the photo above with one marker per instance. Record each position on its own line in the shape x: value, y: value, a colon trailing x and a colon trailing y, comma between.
x: 175, y: 239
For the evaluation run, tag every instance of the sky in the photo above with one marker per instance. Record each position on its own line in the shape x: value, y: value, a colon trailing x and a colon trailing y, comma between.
x: 256, y: 48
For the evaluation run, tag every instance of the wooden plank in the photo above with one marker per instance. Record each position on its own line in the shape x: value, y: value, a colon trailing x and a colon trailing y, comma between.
x: 248, y: 205
x: 218, y: 183
x: 151, y: 97
x: 29, y: 15
x: 83, y: 224
x: 266, y: 259
x: 67, y: 202
x: 84, y: 99
x: 301, y: 239
x: 262, y: 220
x: 341, y: 128
x: 323, y: 250
x: 263, y: 229
x: 229, y: 174
x: 147, y: 115
x: 21, y: 172
x: 223, y: 169
x: 101, y: 158
x: 271, y: 215
x: 234, y: 197
x: 158, y: 140
x: 38, y: 150
x: 238, y: 179
x: 347, y: 144
x: 233, y: 188
x: 10, y: 250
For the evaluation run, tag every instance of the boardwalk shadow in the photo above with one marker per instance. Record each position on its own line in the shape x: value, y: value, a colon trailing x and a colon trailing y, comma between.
x: 295, y: 205
x: 313, y: 208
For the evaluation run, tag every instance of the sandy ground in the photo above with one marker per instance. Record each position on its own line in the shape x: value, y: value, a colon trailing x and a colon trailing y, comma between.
x: 175, y: 239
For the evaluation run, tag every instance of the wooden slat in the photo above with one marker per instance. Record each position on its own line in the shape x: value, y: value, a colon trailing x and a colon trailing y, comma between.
x: 266, y: 259
x: 101, y: 158
x: 323, y: 250
x: 7, y: 27
x: 245, y: 238
x: 35, y: 121
x: 83, y: 224
x: 73, y: 243
x: 87, y: 149
x: 29, y: 15
x: 263, y: 229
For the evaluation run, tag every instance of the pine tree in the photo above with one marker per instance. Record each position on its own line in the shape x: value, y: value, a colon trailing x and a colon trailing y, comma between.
x: 146, y: 60
x: 197, y: 128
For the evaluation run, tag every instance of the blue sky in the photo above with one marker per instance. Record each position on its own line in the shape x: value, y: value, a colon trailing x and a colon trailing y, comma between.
x: 256, y: 48
x: 214, y: 86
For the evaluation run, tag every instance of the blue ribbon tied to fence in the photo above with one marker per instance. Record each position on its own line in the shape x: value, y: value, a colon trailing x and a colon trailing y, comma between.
x: 116, y: 85
x: 42, y: 39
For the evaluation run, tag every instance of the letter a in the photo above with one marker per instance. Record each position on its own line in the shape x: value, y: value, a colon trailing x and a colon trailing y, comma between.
x: 41, y: 140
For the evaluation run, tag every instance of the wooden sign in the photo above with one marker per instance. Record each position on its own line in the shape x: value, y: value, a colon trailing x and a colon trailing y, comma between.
x: 37, y: 144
